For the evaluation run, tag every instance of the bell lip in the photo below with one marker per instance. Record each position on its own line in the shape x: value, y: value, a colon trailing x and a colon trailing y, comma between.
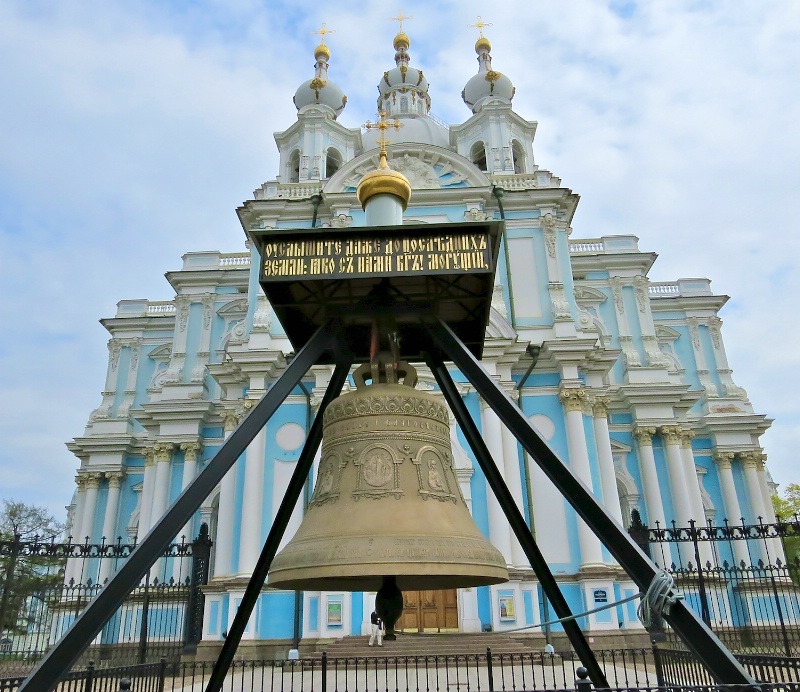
x: 372, y: 582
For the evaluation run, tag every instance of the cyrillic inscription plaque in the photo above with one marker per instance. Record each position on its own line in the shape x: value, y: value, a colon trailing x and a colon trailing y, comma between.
x: 378, y: 256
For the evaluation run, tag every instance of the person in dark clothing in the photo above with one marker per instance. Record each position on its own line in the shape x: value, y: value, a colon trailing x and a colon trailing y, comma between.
x: 377, y: 629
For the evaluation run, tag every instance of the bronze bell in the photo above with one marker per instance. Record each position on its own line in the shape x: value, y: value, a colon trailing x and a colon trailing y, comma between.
x: 387, y: 501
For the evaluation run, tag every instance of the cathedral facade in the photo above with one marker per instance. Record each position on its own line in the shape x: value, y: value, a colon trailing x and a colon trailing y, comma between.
x: 625, y: 378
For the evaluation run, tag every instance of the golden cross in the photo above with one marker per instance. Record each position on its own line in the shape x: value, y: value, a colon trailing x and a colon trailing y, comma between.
x: 400, y: 18
x: 383, y: 124
x: 323, y: 31
x: 479, y: 25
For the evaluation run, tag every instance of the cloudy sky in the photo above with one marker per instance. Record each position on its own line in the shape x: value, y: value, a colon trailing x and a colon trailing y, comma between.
x: 130, y: 131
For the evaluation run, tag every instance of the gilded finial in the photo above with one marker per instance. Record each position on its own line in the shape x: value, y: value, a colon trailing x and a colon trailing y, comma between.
x: 478, y: 25
x: 324, y: 31
x: 401, y: 18
x: 382, y: 125
x: 483, y: 43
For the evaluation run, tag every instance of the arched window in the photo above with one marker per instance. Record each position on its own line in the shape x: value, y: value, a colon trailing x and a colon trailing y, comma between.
x: 333, y: 162
x: 477, y: 154
x: 294, y: 167
x: 519, y: 157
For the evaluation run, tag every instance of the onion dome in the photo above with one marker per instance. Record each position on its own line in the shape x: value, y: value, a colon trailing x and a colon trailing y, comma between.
x: 488, y: 84
x: 320, y: 91
x: 384, y: 180
x: 403, y: 81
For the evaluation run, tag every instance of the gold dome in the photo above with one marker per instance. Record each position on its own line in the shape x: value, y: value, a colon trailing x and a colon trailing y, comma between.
x: 482, y: 44
x: 402, y: 40
x: 383, y: 180
x: 322, y: 51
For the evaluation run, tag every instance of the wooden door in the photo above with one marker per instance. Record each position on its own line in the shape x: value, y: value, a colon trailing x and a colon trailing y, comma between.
x: 429, y: 611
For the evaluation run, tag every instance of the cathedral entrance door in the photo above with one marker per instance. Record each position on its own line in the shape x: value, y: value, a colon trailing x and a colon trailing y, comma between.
x: 429, y: 611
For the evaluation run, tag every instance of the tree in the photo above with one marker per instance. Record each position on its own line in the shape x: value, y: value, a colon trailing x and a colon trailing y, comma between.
x: 788, y: 508
x: 21, y: 572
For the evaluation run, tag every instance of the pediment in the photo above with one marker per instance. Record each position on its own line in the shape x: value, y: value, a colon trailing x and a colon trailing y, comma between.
x: 163, y: 352
x: 235, y: 307
x: 499, y: 327
x: 426, y: 167
x: 665, y: 333
x: 585, y: 295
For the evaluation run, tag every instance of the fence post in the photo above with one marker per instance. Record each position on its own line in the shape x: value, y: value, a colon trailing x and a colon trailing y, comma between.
x: 489, y: 669
x: 583, y: 684
x: 658, y: 665
x: 701, y: 582
x: 88, y: 682
x: 639, y: 532
x: 162, y: 673
x: 324, y: 671
x: 193, y: 623
x: 143, y: 624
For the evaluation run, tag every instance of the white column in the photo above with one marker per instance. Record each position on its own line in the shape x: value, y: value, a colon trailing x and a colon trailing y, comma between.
x: 513, y: 480
x: 87, y: 525
x: 752, y: 461
x: 776, y: 546
x: 652, y: 493
x: 732, y: 508
x: 72, y: 570
x: 605, y: 458
x: 163, y: 456
x: 252, y: 503
x: 573, y: 400
x: 182, y: 569
x: 148, y: 485
x: 695, y: 498
x: 223, y: 541
x: 671, y: 435
x: 110, y: 521
x: 499, y: 529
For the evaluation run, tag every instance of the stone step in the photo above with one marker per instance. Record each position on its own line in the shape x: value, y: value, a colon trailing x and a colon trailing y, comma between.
x: 426, y: 644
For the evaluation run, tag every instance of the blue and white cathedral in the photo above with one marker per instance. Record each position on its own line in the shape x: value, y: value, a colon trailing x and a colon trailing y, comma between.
x: 625, y: 378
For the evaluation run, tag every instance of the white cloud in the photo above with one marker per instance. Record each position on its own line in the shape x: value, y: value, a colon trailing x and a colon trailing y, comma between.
x: 129, y: 133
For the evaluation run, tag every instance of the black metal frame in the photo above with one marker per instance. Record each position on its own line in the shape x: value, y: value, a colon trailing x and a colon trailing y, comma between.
x: 444, y: 345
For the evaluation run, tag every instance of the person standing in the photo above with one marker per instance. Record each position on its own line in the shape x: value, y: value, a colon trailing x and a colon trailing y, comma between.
x: 377, y: 629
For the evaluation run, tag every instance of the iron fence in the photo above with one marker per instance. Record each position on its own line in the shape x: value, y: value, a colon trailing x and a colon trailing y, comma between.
x: 753, y: 604
x: 642, y: 670
x: 161, y: 617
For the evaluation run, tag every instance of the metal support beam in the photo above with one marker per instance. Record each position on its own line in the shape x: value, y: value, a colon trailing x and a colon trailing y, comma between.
x: 692, y: 630
x: 279, y: 524
x: 517, y: 522
x: 58, y: 661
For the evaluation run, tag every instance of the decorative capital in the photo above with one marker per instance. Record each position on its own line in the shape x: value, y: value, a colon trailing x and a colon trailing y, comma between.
x: 644, y: 434
x: 600, y: 406
x: 149, y: 456
x: 723, y: 459
x: 573, y: 399
x: 163, y: 451
x: 751, y: 458
x: 671, y: 434
x: 190, y: 450
x: 230, y: 420
x: 93, y: 480
x: 115, y: 478
x: 686, y: 438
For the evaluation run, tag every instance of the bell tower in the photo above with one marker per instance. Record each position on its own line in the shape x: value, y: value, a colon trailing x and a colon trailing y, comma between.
x: 316, y: 146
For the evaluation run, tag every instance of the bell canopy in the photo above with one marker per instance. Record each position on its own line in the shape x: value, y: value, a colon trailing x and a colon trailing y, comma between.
x: 320, y: 90
x: 488, y: 84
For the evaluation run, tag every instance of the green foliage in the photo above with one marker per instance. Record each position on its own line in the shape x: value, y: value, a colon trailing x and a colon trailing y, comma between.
x: 787, y: 507
x: 22, y: 574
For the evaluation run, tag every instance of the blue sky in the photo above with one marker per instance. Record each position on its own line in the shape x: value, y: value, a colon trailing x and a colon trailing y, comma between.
x: 130, y: 132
